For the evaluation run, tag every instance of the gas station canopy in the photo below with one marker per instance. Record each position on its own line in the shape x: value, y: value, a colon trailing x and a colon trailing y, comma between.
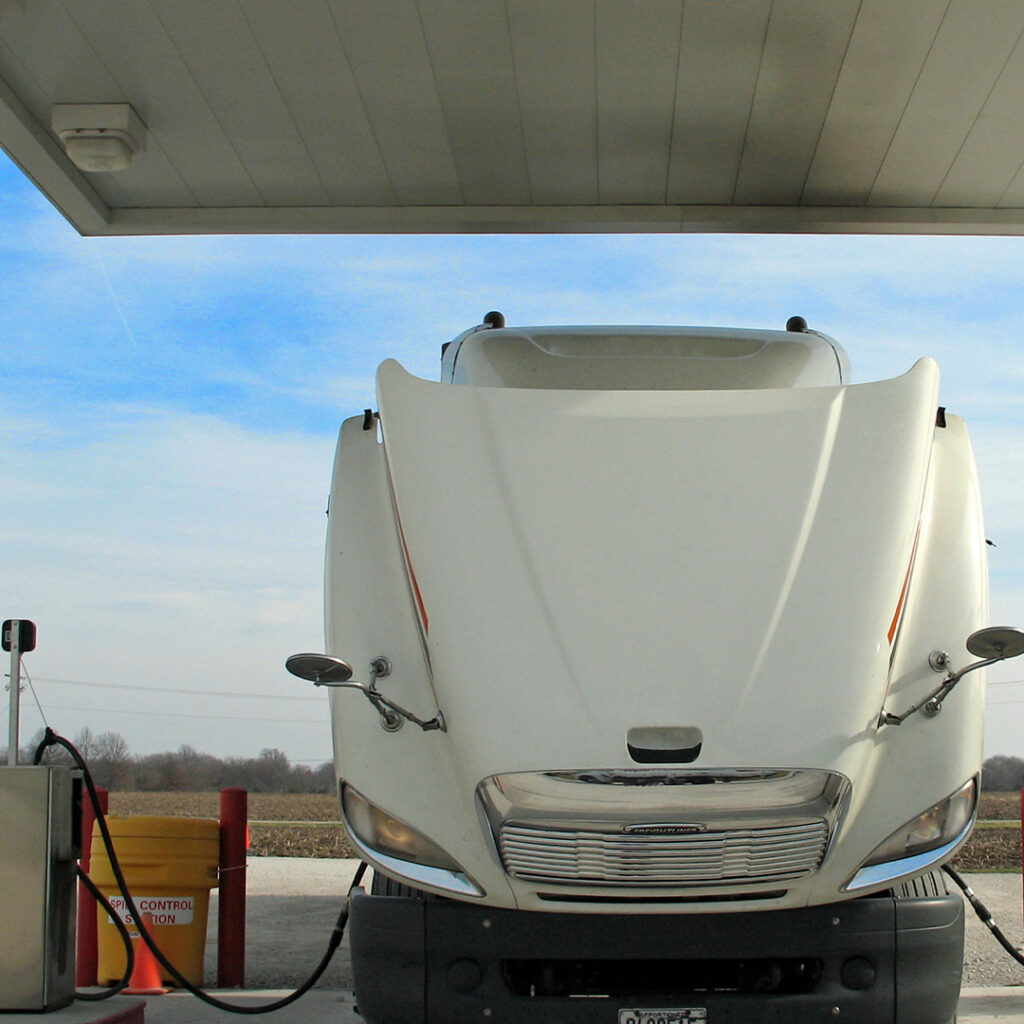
x: 518, y: 115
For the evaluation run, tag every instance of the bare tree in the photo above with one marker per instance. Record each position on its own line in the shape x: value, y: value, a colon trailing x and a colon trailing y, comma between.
x: 271, y: 772
x: 187, y: 769
x: 1002, y: 774
x: 112, y: 761
x: 201, y: 771
x: 85, y: 741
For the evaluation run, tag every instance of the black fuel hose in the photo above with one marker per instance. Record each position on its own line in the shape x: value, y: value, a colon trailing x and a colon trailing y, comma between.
x: 983, y: 913
x: 51, y: 738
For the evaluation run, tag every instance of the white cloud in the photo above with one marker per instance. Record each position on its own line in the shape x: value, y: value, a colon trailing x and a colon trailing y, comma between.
x: 163, y: 549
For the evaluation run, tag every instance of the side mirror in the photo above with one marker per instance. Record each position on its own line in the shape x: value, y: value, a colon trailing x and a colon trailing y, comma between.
x: 321, y: 669
x: 996, y: 643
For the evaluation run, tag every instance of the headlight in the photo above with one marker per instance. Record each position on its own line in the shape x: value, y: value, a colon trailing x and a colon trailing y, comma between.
x: 905, y: 851
x: 385, y: 834
x: 401, y: 851
x: 928, y: 831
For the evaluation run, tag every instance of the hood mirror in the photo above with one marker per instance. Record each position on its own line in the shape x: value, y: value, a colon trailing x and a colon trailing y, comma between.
x: 321, y: 669
x: 996, y: 643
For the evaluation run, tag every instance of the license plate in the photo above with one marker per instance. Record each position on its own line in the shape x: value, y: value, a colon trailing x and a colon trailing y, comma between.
x: 673, y: 1015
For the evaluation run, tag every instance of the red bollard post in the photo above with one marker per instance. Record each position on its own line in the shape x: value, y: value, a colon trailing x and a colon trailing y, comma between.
x: 87, y: 955
x: 234, y: 821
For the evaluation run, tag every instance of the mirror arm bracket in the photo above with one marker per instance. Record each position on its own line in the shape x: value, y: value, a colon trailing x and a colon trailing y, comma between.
x: 392, y: 716
x: 931, y: 705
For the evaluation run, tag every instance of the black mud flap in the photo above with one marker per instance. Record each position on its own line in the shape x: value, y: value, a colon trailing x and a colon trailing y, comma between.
x: 867, y: 961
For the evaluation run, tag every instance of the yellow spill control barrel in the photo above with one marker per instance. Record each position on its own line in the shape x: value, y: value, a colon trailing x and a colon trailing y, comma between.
x: 170, y: 865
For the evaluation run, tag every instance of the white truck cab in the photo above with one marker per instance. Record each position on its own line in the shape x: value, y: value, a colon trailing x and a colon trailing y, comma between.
x: 654, y: 698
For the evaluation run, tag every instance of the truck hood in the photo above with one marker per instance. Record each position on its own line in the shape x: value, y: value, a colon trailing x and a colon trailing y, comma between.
x: 729, y: 563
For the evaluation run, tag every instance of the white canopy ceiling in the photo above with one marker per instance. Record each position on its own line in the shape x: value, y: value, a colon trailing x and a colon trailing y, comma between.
x: 528, y: 115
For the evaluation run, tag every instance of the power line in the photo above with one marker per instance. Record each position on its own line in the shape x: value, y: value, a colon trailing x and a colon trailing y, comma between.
x: 173, y: 689
x: 179, y: 714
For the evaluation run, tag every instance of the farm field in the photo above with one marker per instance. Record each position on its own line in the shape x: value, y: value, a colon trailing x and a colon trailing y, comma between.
x: 309, y: 825
x: 280, y: 824
x: 999, y: 807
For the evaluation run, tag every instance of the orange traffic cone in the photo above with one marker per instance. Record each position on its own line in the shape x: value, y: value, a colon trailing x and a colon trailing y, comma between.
x: 145, y: 980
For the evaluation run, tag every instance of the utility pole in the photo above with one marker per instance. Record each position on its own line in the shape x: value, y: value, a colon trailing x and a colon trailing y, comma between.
x: 19, y: 635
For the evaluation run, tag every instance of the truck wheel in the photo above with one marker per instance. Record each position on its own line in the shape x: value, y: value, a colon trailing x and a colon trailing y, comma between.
x: 931, y: 883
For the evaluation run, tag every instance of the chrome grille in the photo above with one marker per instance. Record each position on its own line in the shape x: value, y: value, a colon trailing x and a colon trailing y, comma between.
x: 709, y: 858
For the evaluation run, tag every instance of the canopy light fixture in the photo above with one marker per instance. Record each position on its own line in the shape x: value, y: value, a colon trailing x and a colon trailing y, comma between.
x: 99, y: 136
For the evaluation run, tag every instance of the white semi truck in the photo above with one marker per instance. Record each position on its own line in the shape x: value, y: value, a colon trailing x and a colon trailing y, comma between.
x: 649, y: 651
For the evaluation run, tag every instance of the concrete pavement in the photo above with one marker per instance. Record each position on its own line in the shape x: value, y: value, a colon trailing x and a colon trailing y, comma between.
x: 325, y: 1006
x: 293, y: 904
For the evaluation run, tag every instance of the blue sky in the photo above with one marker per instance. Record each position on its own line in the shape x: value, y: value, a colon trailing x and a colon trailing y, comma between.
x: 170, y: 406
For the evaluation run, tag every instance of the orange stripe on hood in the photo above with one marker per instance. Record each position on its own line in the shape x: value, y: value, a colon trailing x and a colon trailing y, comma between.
x: 893, y: 626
